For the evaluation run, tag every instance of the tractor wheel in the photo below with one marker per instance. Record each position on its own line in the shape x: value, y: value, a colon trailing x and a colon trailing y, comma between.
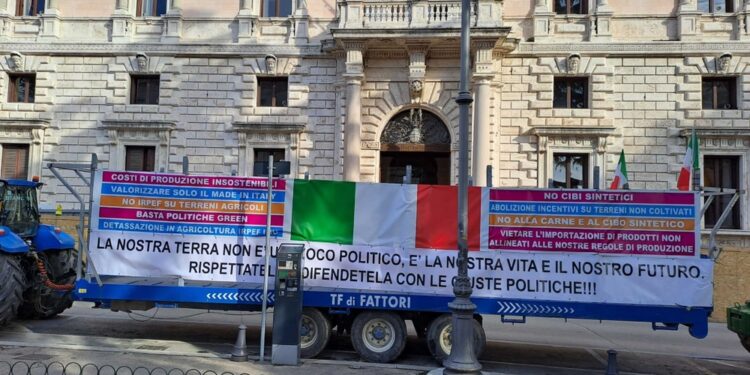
x: 42, y: 302
x: 12, y: 284
x: 745, y: 341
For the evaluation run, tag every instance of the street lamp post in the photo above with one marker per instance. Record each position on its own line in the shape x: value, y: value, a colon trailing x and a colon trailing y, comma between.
x: 462, y: 359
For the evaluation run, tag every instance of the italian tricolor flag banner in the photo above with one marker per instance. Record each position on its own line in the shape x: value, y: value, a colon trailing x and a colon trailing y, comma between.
x: 690, y: 163
x: 621, y: 174
x: 399, y: 216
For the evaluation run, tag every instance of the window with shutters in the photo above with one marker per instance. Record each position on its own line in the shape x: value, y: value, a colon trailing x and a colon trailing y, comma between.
x: 29, y: 7
x: 15, y: 163
x: 719, y: 93
x: 260, y: 160
x: 151, y: 8
x: 276, y: 8
x: 571, y: 92
x: 273, y: 91
x: 570, y: 171
x: 21, y: 88
x: 140, y: 158
x: 144, y: 89
x: 571, y: 6
x: 722, y: 171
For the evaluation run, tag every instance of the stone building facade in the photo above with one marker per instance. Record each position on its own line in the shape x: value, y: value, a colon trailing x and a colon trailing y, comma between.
x: 359, y: 89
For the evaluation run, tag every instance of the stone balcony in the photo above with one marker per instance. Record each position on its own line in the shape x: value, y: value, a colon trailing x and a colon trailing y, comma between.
x: 411, y: 14
x: 432, y: 23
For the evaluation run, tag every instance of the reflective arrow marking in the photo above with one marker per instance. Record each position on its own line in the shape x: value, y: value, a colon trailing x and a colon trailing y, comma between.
x: 256, y: 297
x: 531, y: 308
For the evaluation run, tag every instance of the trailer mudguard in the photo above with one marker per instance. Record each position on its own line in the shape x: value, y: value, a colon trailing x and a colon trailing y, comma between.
x: 11, y: 243
x: 47, y: 239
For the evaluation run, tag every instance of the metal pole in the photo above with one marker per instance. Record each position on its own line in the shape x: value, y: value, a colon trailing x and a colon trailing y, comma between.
x: 462, y: 358
x: 267, y: 256
x: 696, y: 163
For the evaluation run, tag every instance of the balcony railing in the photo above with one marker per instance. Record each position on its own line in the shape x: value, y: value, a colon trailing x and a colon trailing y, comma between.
x: 411, y: 13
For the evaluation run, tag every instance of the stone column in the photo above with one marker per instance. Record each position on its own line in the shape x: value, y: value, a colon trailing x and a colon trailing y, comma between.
x: 121, y: 5
x: 688, y: 18
x: 482, y: 130
x: 172, y: 29
x: 602, y: 22
x: 353, y: 123
x: 4, y: 19
x: 50, y: 20
x: 543, y: 27
x: 122, y: 21
x: 743, y: 21
x: 300, y: 17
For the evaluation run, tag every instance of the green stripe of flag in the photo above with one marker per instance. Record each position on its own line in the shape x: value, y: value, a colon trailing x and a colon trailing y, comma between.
x: 323, y: 211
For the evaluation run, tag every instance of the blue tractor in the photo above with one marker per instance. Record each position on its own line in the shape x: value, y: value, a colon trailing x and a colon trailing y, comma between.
x: 37, y: 261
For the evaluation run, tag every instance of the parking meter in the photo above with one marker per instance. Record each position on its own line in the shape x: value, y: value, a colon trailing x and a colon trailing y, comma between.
x: 287, y: 309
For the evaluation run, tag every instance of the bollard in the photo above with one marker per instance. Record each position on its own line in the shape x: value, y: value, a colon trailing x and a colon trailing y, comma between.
x: 611, y: 363
x: 239, y: 354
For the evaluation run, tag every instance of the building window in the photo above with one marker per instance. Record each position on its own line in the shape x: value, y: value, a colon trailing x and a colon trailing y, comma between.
x: 722, y: 172
x: 260, y: 160
x: 571, y: 6
x: 151, y: 8
x: 719, y: 93
x: 276, y: 8
x: 21, y: 88
x: 571, y: 92
x: 15, y: 163
x: 571, y: 171
x: 716, y: 6
x: 29, y: 7
x: 273, y: 91
x: 144, y: 89
x: 140, y: 158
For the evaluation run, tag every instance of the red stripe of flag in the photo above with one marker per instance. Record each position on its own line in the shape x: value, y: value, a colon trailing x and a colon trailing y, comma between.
x: 437, y: 217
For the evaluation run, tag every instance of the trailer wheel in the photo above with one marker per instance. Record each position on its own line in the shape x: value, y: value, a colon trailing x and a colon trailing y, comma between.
x: 12, y: 284
x: 41, y: 302
x: 316, y: 331
x: 439, y: 337
x: 745, y: 341
x: 378, y: 336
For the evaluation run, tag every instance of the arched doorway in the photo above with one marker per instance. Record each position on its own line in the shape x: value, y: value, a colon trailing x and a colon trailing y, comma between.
x: 419, y: 139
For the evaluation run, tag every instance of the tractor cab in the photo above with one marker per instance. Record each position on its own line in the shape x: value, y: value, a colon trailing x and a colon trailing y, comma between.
x: 20, y: 207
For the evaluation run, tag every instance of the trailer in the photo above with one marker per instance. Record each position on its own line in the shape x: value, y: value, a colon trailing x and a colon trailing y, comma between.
x: 379, y: 255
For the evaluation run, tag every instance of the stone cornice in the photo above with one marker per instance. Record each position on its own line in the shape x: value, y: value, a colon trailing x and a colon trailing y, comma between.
x: 23, y: 123
x: 563, y: 131
x: 138, y: 125
x: 254, y: 127
x: 714, y: 132
x: 667, y: 48
x: 155, y: 49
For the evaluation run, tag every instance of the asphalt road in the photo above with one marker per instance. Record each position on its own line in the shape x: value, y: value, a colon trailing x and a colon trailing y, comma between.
x: 182, y: 337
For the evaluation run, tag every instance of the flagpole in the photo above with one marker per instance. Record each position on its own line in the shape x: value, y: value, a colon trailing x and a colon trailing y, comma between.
x: 696, y: 161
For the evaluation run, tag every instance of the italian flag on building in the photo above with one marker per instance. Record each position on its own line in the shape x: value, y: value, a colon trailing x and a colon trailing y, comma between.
x: 393, y: 215
x: 621, y: 174
x: 689, y: 163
